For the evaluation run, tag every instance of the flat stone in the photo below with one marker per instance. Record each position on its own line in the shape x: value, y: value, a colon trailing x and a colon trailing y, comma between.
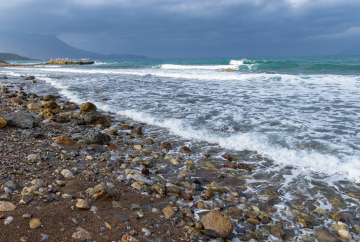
x: 6, y: 206
x: 122, y: 218
x: 324, y: 236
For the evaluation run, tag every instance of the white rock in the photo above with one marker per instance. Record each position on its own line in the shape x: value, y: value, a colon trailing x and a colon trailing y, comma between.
x: 140, y: 178
x: 146, y: 231
x: 8, y: 220
x: 34, y: 158
x: 345, y: 234
x: 67, y: 174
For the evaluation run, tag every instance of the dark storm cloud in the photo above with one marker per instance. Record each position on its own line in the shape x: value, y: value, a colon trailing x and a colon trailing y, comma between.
x: 174, y: 28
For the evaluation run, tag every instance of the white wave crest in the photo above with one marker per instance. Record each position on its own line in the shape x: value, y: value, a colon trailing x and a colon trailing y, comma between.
x: 188, y: 67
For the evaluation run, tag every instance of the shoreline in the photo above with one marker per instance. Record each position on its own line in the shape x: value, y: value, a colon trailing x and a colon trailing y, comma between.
x: 223, y: 185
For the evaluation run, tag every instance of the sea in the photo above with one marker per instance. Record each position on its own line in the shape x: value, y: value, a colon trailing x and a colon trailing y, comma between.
x: 301, y: 114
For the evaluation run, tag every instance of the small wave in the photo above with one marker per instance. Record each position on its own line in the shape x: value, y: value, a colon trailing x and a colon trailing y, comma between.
x: 189, y: 67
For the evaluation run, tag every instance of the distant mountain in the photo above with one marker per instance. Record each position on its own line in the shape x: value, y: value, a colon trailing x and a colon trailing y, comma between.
x: 40, y: 46
x: 12, y: 57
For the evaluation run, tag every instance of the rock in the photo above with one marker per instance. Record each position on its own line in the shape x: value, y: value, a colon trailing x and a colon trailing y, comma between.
x: 124, y: 127
x: 210, y: 233
x: 140, y: 178
x: 138, y: 147
x: 122, y: 218
x: 62, y: 119
x: 63, y: 139
x: 82, y: 234
x: 8, y: 220
x: 16, y: 100
x: 200, y: 205
x: 138, y: 131
x: 244, y: 166
x: 30, y: 78
x: 209, y: 194
x: 21, y: 120
x: 336, y: 217
x: 94, y: 117
x: 230, y: 165
x: 186, y: 150
x: 87, y: 107
x: 113, y: 146
x: 345, y: 234
x: 128, y: 238
x: 33, y: 106
x: 149, y: 141
x: 6, y: 206
x: 169, y: 212
x: 49, y: 98
x: 146, y: 232
x: 67, y: 174
x: 13, y: 185
x: 82, y: 204
x: 35, y: 223
x: 47, y: 113
x: 2, y: 123
x: 277, y: 231
x: 165, y: 145
x: 25, y: 199
x: 354, y: 195
x: 159, y: 189
x: 253, y: 221
x: 218, y: 222
x: 52, y: 105
x: 96, y: 148
x: 324, y: 236
x: 96, y: 137
x: 69, y: 106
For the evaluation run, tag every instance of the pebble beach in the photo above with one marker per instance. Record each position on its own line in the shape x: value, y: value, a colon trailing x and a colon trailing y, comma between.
x: 72, y: 172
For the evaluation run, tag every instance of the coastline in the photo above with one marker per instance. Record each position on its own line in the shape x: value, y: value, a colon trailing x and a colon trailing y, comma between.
x: 257, y: 214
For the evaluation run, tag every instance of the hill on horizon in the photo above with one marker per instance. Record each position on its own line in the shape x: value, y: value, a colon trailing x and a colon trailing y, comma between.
x: 12, y: 57
x: 41, y: 46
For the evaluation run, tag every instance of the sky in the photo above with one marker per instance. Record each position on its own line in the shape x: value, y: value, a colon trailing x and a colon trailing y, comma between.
x: 192, y: 28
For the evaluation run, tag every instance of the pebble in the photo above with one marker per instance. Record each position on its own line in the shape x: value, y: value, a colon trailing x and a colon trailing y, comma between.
x: 35, y: 223
x: 8, y: 220
x: 146, y: 232
x: 345, y: 234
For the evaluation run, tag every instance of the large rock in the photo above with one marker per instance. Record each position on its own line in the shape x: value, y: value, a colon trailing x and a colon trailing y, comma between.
x: 21, y: 120
x: 324, y: 236
x: 2, y: 123
x: 16, y: 100
x: 87, y: 107
x: 48, y: 114
x: 33, y: 106
x: 218, y: 222
x: 94, y: 117
x: 96, y: 137
x: 52, y: 105
x: 63, y: 139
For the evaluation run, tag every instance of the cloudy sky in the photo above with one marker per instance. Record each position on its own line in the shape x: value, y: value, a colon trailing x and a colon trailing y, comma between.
x: 192, y: 28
